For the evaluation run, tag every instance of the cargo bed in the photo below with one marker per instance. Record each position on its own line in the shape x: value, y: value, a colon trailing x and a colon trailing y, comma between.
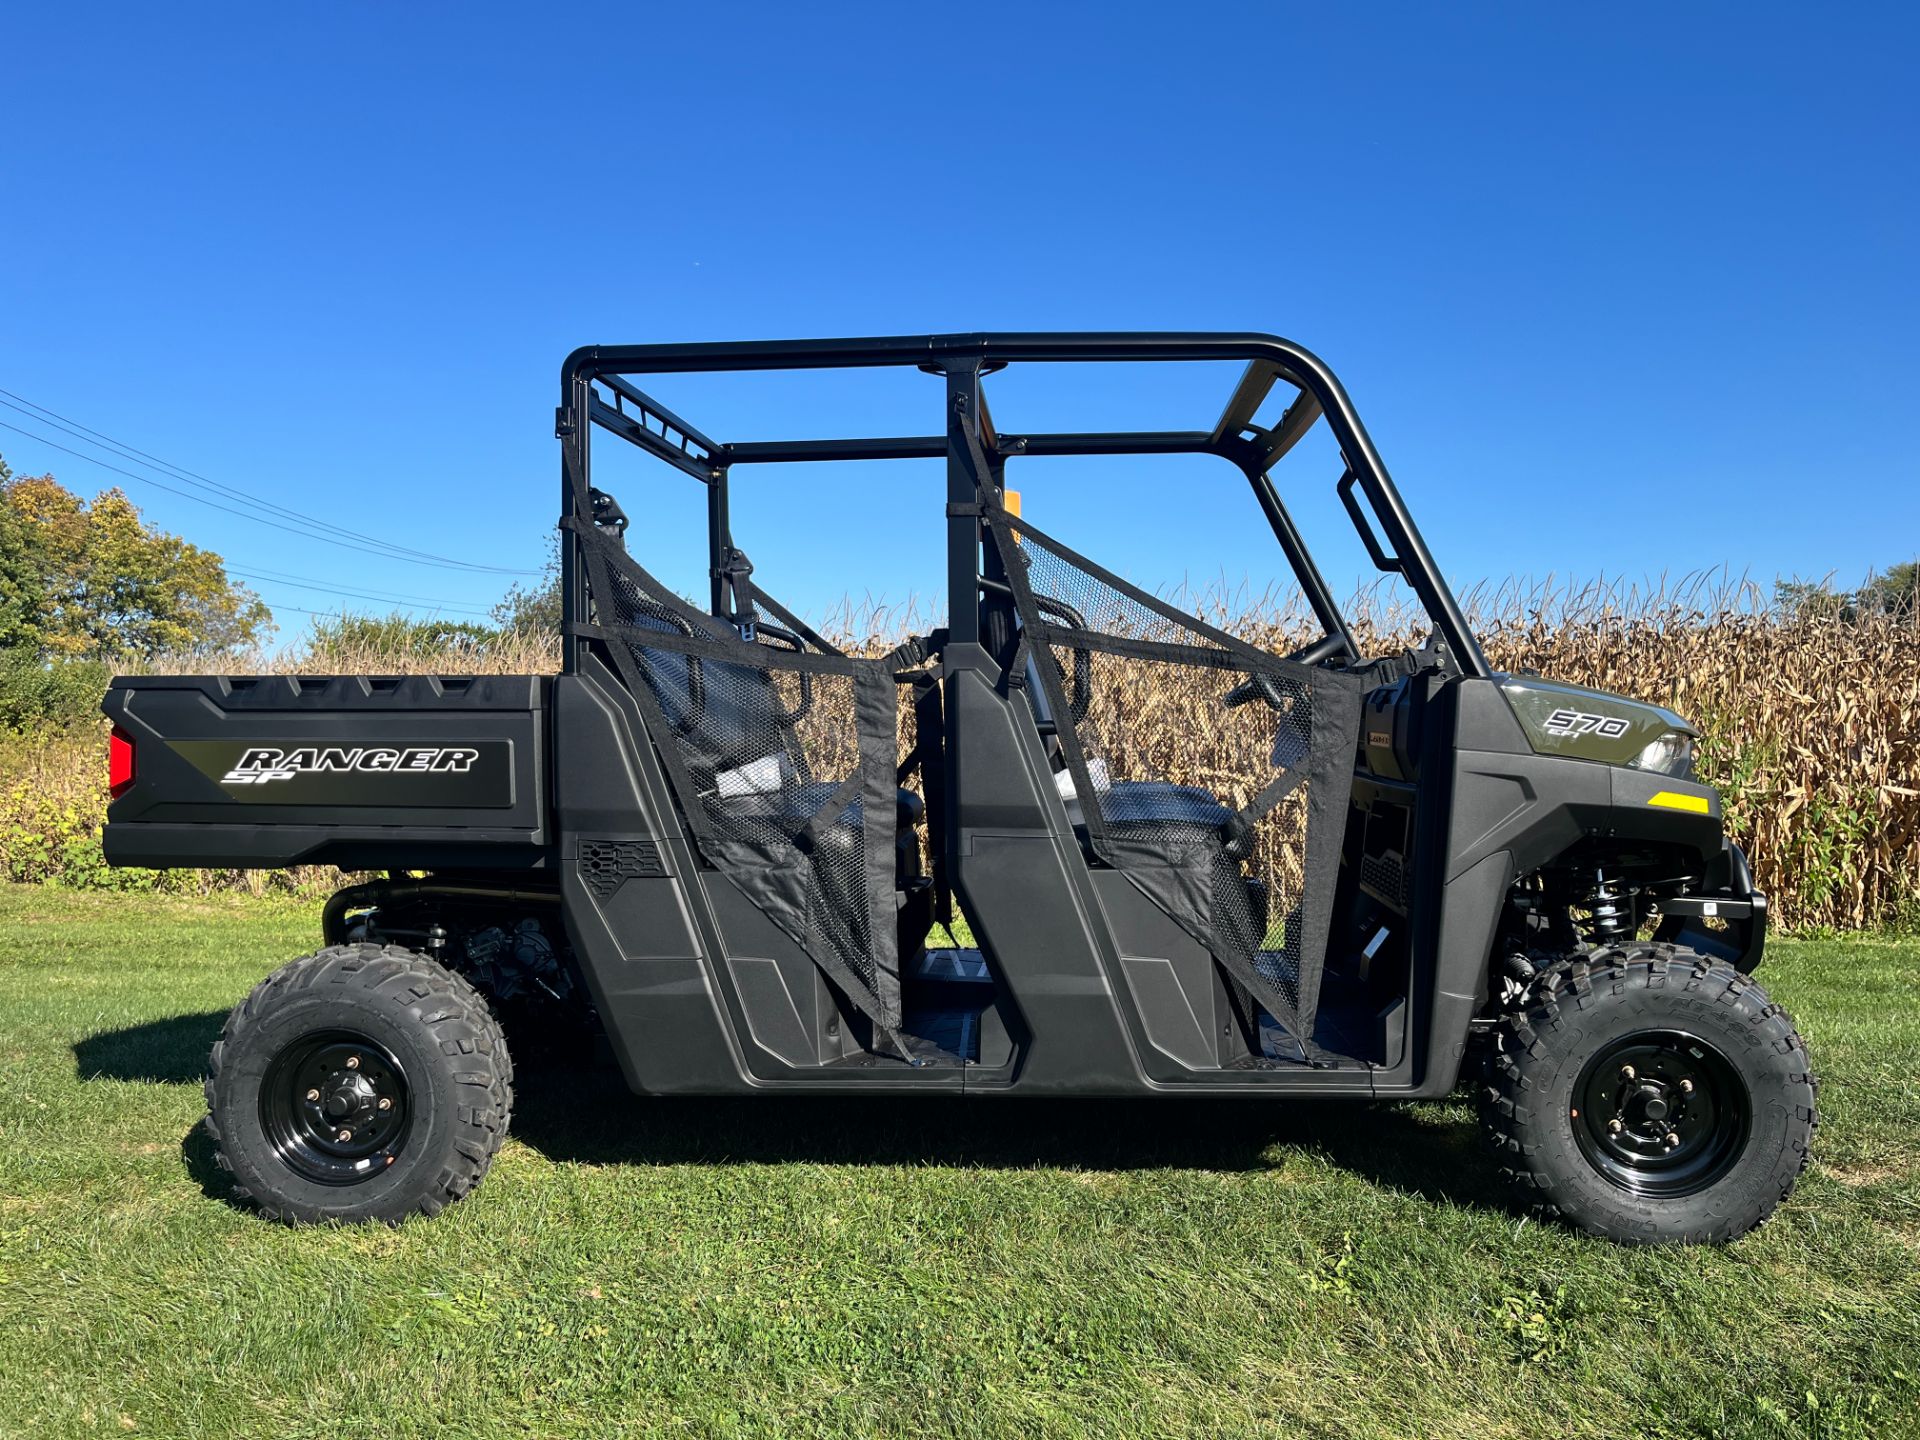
x: 363, y: 772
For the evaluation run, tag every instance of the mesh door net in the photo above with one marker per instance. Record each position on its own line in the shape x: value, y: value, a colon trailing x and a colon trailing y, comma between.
x: 782, y: 764
x: 1213, y: 775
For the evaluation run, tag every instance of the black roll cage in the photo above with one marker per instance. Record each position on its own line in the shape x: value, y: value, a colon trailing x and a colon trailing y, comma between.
x: 976, y: 453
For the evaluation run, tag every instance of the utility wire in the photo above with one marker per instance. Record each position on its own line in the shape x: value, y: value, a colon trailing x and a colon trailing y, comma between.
x: 355, y: 594
x: 263, y: 520
x: 124, y: 451
x: 340, y: 614
x: 317, y: 582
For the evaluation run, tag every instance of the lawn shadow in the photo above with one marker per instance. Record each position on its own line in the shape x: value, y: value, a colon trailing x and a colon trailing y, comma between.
x: 198, y: 1154
x: 584, y: 1115
x: 164, y: 1052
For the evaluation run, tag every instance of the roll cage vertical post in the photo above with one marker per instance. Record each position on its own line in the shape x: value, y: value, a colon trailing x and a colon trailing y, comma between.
x: 719, y: 540
x: 570, y: 425
x: 967, y: 480
x: 974, y: 454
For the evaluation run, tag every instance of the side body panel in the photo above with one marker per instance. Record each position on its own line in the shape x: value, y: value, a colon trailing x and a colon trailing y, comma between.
x: 701, y: 995
x: 1493, y: 811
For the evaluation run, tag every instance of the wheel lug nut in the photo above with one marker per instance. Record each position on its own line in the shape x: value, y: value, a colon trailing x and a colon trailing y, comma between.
x: 1615, y: 1126
x: 1686, y: 1087
x: 344, y: 1135
x: 313, y: 1094
x: 353, y: 1062
x: 385, y: 1103
x: 1627, y: 1072
x: 1672, y: 1140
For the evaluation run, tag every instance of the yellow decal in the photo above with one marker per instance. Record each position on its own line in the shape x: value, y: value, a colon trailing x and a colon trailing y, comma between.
x: 1673, y: 800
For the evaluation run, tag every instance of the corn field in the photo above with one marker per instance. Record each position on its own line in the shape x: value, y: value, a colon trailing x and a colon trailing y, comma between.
x: 1808, y: 724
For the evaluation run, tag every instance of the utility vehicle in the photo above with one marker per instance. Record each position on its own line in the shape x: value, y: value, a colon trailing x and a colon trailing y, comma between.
x: 1189, y: 867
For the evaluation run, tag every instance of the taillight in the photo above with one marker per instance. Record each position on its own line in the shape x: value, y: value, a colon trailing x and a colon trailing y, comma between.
x: 119, y: 763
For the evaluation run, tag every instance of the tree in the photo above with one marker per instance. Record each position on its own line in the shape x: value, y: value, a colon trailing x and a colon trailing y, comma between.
x: 360, y: 641
x: 1897, y: 593
x: 536, y: 607
x: 80, y: 579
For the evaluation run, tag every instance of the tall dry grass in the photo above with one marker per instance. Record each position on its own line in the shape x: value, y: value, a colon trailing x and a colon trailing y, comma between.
x: 1808, y: 723
x: 1807, y: 720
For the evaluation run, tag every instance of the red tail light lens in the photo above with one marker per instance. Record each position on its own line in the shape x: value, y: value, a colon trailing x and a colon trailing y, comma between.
x: 119, y: 763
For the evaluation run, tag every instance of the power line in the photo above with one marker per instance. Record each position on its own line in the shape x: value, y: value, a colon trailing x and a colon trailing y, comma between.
x: 343, y: 613
x: 355, y: 594
x: 263, y: 520
x: 260, y: 573
x: 340, y: 614
x: 193, y: 477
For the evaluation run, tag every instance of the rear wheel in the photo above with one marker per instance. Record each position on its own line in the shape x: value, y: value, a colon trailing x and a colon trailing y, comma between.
x: 1649, y: 1094
x: 364, y: 1082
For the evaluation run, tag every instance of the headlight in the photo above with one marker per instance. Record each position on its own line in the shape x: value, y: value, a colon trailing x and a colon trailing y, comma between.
x: 1671, y: 754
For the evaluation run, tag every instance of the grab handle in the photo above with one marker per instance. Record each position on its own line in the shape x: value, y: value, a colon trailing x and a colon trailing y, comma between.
x: 1381, y: 560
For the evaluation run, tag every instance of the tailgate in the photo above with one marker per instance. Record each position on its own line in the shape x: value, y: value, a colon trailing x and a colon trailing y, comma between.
x: 413, y: 772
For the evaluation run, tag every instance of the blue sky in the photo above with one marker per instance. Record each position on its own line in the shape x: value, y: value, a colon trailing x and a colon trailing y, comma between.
x: 1619, y: 290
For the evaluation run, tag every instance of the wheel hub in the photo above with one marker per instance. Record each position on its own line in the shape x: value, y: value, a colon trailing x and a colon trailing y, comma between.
x: 1660, y: 1113
x: 349, y: 1097
x: 334, y: 1105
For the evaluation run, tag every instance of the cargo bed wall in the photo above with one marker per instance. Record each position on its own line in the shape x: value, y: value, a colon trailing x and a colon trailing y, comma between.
x: 416, y: 771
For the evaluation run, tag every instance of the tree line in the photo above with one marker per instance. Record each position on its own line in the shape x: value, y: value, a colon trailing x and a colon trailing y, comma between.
x: 92, y: 580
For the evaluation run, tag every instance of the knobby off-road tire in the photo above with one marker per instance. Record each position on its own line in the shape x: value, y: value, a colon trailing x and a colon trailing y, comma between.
x: 374, y: 1043
x: 1650, y: 1095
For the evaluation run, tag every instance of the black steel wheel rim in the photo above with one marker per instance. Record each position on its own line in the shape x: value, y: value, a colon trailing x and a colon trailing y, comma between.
x: 335, y: 1108
x: 1661, y: 1113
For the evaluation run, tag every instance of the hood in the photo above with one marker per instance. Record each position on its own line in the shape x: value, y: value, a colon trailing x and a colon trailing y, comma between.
x: 1587, y: 724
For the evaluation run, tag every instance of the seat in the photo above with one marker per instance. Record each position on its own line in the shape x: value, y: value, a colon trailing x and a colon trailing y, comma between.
x: 1159, y: 802
x: 799, y: 803
x: 1147, y: 803
x: 794, y: 806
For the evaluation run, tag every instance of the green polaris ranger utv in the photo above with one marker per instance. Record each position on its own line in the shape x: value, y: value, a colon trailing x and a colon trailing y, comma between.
x: 1189, y: 867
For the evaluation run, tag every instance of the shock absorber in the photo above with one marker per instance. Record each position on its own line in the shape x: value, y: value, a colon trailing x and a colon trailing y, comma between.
x: 1612, y: 916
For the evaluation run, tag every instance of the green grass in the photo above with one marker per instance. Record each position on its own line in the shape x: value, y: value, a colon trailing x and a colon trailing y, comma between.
x: 928, y: 1267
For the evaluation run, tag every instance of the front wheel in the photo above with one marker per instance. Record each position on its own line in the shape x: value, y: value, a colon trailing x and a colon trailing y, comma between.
x: 364, y: 1082
x: 1649, y: 1094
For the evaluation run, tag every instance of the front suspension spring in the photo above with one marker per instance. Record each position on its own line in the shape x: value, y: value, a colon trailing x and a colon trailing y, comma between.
x: 1612, y: 920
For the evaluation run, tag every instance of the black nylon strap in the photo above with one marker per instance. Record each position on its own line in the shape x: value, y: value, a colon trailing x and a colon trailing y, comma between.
x: 930, y: 743
x: 907, y: 655
x: 1005, y: 520
x: 794, y: 623
x: 876, y: 710
x: 738, y: 572
x: 928, y: 759
x: 734, y: 651
x: 922, y: 682
x: 808, y: 835
x: 1336, y: 724
x: 1015, y: 675
x: 1276, y: 790
x: 1166, y: 651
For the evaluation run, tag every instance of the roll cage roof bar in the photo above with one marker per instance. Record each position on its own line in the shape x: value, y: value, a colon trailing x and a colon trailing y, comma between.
x: 977, y: 454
